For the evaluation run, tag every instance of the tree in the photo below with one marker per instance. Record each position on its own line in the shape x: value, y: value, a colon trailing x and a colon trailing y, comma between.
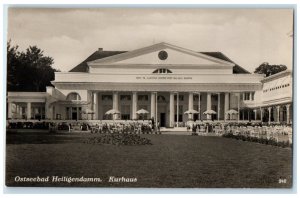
x: 269, y: 70
x: 12, y: 62
x: 29, y: 70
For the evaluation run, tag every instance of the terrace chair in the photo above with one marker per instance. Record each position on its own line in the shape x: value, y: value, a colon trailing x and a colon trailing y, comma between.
x: 250, y: 131
x: 217, y: 130
x: 100, y: 129
x: 264, y: 130
x: 245, y: 131
x: 228, y: 129
x: 259, y: 130
x: 285, y: 130
x: 93, y: 129
x: 290, y: 134
x: 255, y: 132
x: 269, y: 133
x: 236, y: 130
x: 202, y: 130
x: 70, y: 127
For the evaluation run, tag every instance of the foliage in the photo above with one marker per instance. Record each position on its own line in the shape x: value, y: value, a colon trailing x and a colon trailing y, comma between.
x: 260, y: 140
x: 29, y: 70
x: 266, y: 68
x: 118, y: 139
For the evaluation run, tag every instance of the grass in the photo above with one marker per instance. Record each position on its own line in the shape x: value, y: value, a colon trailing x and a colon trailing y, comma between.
x: 172, y: 161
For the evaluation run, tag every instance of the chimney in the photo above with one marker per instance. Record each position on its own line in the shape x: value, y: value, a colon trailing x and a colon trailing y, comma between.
x: 100, y: 49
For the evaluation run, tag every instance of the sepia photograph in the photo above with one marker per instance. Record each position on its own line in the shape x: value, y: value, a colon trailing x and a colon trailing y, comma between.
x: 149, y: 97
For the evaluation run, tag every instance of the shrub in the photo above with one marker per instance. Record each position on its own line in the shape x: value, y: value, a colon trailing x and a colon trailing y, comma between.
x: 118, y: 139
x: 271, y: 141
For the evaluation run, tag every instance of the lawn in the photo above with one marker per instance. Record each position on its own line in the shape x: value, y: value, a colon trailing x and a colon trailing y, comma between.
x: 172, y: 161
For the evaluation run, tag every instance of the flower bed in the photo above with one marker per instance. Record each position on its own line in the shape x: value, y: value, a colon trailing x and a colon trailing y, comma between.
x: 118, y: 139
x: 271, y: 141
x: 28, y: 125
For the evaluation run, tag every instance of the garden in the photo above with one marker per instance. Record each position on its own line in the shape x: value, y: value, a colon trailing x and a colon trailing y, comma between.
x: 164, y: 161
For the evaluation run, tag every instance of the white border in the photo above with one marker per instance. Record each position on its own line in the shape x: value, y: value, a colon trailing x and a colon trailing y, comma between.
x: 163, y: 3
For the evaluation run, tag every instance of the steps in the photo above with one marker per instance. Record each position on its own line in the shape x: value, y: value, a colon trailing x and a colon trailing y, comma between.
x: 175, y: 129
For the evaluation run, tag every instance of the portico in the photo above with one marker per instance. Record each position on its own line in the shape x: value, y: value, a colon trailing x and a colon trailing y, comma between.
x: 163, y: 107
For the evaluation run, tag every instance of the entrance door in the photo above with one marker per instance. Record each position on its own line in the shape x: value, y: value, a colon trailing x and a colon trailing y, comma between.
x: 74, y: 115
x: 196, y: 117
x: 162, y: 119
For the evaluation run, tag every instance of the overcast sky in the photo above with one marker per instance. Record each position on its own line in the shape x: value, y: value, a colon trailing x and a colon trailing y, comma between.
x: 247, y: 36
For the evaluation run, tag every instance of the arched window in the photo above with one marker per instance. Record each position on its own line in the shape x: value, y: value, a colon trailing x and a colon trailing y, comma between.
x: 73, y: 96
x: 161, y: 98
x: 162, y: 71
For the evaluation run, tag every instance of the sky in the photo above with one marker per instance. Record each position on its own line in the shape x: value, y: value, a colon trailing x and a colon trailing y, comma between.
x: 247, y: 36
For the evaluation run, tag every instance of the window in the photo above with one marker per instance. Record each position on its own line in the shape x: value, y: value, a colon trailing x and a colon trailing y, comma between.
x: 162, y: 71
x: 181, y: 97
x: 142, y: 97
x: 214, y: 97
x: 180, y: 113
x: 125, y: 112
x: 106, y: 97
x: 73, y: 96
x: 247, y: 96
x: 161, y: 98
x: 125, y: 97
x: 196, y: 97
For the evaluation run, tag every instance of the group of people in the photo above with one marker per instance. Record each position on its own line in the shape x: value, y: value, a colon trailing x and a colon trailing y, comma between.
x: 239, y: 128
x: 127, y: 127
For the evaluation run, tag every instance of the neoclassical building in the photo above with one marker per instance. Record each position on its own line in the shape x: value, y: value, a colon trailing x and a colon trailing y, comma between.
x: 165, y: 80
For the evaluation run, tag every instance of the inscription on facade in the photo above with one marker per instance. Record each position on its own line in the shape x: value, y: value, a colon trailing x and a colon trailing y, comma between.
x: 164, y: 78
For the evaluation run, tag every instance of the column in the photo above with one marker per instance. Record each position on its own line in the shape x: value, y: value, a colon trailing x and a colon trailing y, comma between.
x: 77, y: 113
x: 243, y: 111
x: 177, y: 109
x: 53, y: 113
x: 153, y: 99
x: 249, y: 114
x: 219, y: 106
x: 226, y: 105
x: 46, y: 111
x: 255, y: 115
x: 171, y: 124
x: 116, y: 104
x: 278, y: 113
x: 70, y: 114
x: 134, y: 105
x: 95, y: 105
x: 261, y: 114
x: 191, y: 104
x: 238, y: 114
x: 9, y: 110
x: 156, y: 109
x: 287, y: 113
x: 50, y: 112
x: 28, y: 110
x: 208, y: 106
x: 19, y: 111
x: 269, y: 109
x: 199, y: 106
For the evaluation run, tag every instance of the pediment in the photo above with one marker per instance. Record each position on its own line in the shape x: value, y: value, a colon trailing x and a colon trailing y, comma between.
x: 161, y: 54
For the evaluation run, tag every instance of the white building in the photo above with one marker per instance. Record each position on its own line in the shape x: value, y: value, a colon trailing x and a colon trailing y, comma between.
x: 163, y: 79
